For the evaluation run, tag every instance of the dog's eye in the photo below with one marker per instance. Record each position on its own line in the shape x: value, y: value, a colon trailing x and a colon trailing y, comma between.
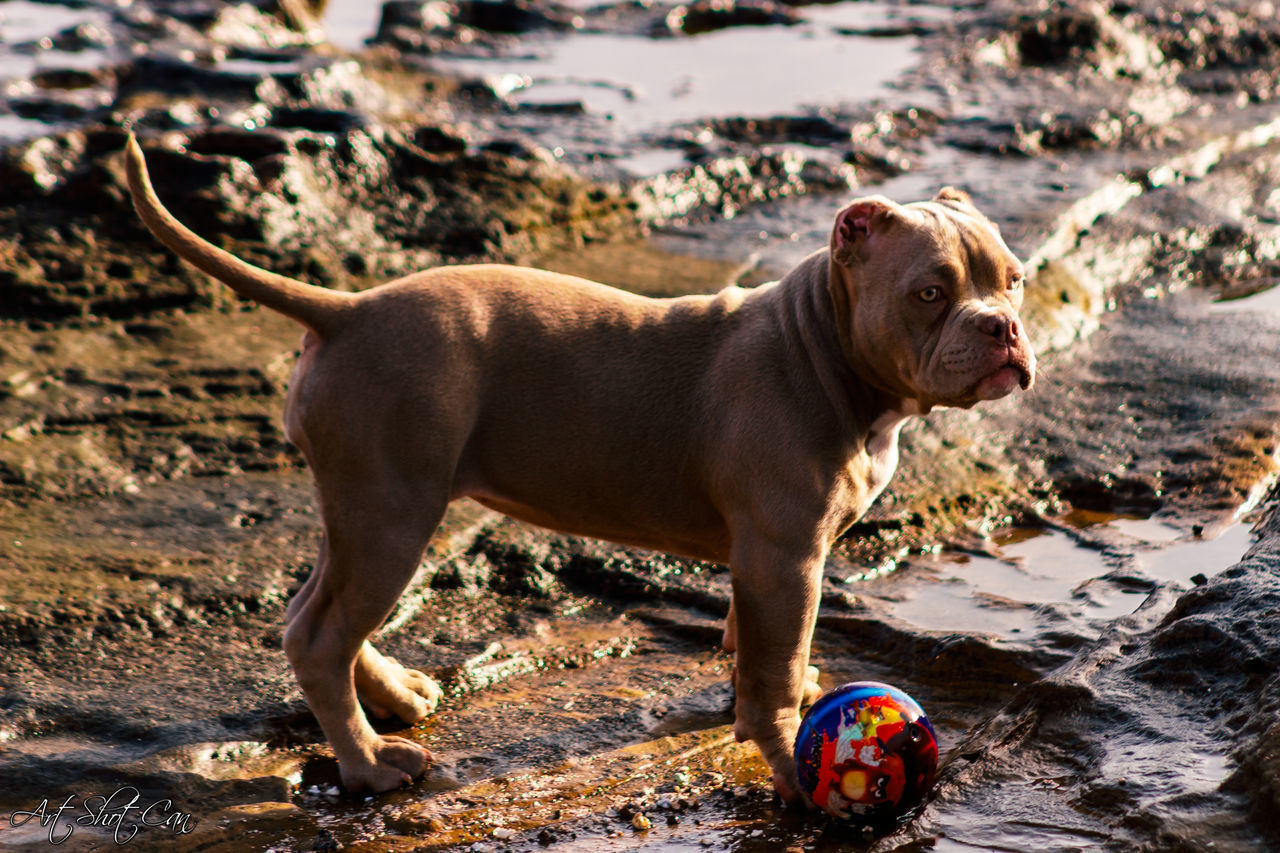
x: 1016, y: 281
x: 930, y: 294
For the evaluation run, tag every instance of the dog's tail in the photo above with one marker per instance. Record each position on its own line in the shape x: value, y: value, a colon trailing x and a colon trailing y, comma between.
x: 318, y: 308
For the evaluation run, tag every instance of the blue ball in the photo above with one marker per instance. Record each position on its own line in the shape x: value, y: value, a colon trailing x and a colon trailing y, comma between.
x: 866, y: 752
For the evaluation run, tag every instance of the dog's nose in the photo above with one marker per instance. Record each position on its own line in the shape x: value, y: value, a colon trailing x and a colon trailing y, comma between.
x: 1003, y: 328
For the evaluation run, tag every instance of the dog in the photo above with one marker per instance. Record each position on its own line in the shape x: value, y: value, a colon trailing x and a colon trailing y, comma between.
x: 749, y: 427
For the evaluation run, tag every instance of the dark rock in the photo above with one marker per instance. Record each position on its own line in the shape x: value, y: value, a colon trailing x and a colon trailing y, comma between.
x: 318, y: 120
x: 178, y: 76
x: 50, y: 110
x: 325, y: 842
x: 705, y: 16
x: 1062, y: 36
x: 561, y: 108
x: 1214, y: 37
x: 70, y: 78
x: 416, y: 15
x: 507, y: 16
x: 439, y: 139
x: 250, y: 145
x: 817, y: 130
x: 517, y: 148
x: 415, y: 26
x: 434, y: 26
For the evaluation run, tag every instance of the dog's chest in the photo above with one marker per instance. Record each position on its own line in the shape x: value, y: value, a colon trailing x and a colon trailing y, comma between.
x: 881, y: 453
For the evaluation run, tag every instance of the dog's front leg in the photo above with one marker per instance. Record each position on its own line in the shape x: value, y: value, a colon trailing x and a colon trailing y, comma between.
x: 775, y: 606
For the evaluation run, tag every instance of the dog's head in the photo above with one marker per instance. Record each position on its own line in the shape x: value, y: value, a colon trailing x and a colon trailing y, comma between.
x: 926, y: 297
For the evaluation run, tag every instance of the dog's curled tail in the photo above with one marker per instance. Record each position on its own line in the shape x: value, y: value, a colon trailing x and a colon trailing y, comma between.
x: 317, y: 308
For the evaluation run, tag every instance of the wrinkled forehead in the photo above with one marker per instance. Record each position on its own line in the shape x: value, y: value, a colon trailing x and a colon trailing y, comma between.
x: 968, y: 238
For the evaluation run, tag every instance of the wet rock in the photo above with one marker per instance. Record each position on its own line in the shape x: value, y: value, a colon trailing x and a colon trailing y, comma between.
x: 178, y: 76
x: 435, y: 26
x: 415, y: 26
x: 32, y: 169
x: 317, y: 120
x: 223, y: 830
x: 1217, y: 37
x: 325, y: 842
x: 724, y: 186
x: 1108, y: 493
x: 324, y: 187
x: 815, y: 130
x: 287, y: 193
x: 507, y: 561
x: 246, y: 25
x: 707, y: 16
x: 439, y: 139
x: 71, y: 78
x: 248, y: 145
x: 1077, y: 42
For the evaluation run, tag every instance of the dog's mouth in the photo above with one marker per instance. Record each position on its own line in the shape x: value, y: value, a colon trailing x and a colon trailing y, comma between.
x: 1024, y: 367
x: 1017, y: 371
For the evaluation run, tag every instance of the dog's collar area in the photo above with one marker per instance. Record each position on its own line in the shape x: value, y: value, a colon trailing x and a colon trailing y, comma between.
x: 883, y: 432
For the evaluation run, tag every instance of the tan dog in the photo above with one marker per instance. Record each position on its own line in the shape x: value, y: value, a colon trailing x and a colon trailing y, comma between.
x: 750, y: 427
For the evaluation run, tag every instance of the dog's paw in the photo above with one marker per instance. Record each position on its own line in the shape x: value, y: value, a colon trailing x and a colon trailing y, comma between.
x: 394, y: 761
x: 810, y: 690
x: 386, y: 688
x: 788, y: 788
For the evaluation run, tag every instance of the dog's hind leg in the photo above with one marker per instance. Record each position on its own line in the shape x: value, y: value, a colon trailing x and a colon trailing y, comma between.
x: 383, y: 685
x: 375, y: 534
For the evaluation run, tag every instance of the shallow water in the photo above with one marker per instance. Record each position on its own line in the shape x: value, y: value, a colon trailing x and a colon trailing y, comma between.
x: 1041, y: 577
x: 23, y: 21
x: 643, y: 84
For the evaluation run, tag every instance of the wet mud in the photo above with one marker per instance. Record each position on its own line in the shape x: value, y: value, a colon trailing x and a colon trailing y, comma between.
x: 1079, y: 585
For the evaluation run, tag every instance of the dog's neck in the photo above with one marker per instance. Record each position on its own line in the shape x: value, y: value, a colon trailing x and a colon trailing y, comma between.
x: 868, y: 411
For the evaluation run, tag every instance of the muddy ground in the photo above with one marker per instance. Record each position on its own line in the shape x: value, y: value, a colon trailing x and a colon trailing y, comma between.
x: 1081, y: 585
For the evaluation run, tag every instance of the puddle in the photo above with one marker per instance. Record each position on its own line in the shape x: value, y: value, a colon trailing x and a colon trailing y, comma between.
x: 1191, y: 556
x: 1146, y: 529
x: 642, y: 83
x: 348, y: 23
x: 647, y: 162
x: 1042, y: 579
x: 15, y: 127
x: 1265, y: 300
x: 23, y: 21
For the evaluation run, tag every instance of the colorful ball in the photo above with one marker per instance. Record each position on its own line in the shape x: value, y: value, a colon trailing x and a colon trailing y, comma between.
x: 866, y: 752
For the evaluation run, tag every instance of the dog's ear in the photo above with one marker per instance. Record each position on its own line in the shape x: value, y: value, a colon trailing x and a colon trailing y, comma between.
x: 857, y: 225
x: 954, y: 195
x: 955, y: 198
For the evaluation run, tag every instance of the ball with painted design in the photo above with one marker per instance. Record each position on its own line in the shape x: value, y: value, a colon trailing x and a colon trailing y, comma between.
x: 866, y: 752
